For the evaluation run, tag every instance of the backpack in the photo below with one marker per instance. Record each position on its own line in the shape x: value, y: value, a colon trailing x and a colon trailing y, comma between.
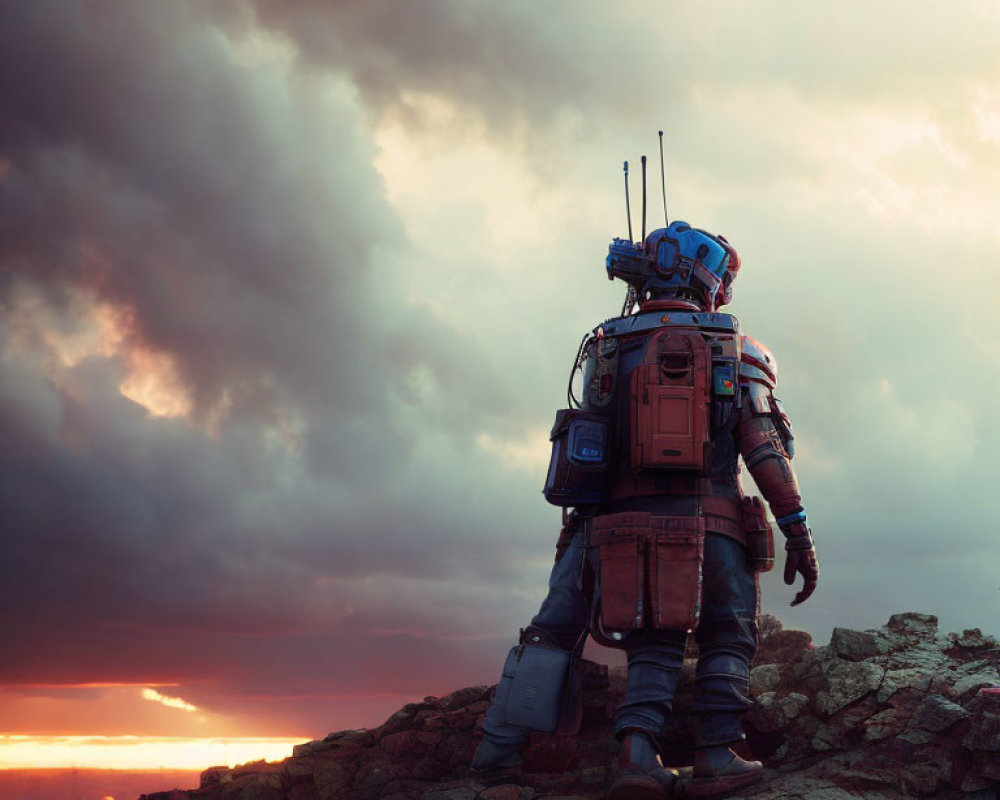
x: 670, y: 402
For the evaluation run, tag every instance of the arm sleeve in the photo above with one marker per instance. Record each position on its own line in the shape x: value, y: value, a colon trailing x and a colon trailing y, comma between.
x: 766, y: 456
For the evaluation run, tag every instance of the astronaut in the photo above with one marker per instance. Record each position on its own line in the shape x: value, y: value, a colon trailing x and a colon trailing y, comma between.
x: 659, y: 539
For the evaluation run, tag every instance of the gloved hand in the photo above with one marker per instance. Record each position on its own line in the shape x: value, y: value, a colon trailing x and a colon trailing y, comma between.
x: 800, y: 559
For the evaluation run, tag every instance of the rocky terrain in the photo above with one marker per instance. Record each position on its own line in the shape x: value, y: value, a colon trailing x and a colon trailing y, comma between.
x: 892, y: 713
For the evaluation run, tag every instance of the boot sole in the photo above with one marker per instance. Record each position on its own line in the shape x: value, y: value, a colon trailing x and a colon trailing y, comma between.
x: 497, y: 776
x: 639, y: 787
x: 709, y: 787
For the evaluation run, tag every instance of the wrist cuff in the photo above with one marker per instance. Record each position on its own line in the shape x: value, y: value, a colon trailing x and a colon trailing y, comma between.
x: 799, y: 541
x: 798, y: 516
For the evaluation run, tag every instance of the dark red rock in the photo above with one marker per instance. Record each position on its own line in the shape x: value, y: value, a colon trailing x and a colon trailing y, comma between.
x: 825, y: 722
x: 783, y: 647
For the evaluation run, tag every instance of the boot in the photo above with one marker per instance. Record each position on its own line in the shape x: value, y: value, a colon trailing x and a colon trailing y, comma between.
x: 497, y: 763
x: 717, y: 769
x: 640, y: 775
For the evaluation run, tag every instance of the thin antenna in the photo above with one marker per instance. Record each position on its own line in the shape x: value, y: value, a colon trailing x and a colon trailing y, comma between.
x: 628, y: 208
x: 644, y: 200
x: 663, y: 183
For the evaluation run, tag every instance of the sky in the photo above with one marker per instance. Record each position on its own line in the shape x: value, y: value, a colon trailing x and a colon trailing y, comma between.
x: 289, y: 294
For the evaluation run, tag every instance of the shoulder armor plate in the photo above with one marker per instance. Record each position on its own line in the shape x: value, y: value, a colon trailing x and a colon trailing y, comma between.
x: 757, y: 364
x: 650, y: 320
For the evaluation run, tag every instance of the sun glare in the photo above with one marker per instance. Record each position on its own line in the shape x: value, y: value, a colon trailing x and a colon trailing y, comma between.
x: 170, y: 702
x: 137, y: 753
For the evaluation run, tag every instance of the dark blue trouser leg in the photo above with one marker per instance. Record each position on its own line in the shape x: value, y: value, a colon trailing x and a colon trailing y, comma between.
x: 564, y: 612
x: 654, y: 665
x: 564, y: 616
x: 726, y: 636
x: 727, y: 639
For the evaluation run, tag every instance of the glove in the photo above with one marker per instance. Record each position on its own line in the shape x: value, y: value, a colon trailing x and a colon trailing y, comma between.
x: 800, y: 559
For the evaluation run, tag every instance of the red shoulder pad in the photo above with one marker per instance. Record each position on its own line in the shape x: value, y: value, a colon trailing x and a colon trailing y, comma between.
x: 757, y: 363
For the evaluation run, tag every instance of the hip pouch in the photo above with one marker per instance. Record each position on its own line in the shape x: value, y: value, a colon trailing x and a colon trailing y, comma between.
x: 759, y: 535
x: 650, y: 572
x: 540, y: 689
x: 578, y: 467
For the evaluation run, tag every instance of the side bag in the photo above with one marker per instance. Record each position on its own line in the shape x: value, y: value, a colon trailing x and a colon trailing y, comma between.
x: 540, y: 689
x: 578, y: 467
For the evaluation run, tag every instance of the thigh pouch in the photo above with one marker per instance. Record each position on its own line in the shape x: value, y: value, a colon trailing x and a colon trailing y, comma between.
x: 650, y: 572
x: 540, y: 688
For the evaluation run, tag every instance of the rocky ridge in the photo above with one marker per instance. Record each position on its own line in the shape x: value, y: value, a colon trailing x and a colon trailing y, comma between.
x: 891, y: 713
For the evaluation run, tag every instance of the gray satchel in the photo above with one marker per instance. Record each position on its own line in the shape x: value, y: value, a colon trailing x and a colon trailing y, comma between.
x: 540, y: 688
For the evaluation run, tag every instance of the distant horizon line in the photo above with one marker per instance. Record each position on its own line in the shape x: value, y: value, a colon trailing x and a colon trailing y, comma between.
x: 139, y: 753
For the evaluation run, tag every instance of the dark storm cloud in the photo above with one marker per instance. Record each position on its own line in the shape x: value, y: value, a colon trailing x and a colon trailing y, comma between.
x: 325, y: 513
x: 612, y: 65
x: 506, y: 58
x: 227, y: 214
x: 816, y: 133
x: 151, y: 169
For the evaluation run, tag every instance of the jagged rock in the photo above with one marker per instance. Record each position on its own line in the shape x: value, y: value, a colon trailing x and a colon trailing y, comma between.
x: 791, y: 704
x: 911, y: 623
x: 450, y: 793
x: 214, y: 776
x: 254, y: 787
x: 883, y: 725
x: 303, y: 791
x: 896, y: 679
x: 984, y: 732
x: 972, y: 676
x: 829, y: 737
x: 767, y: 625
x: 974, y: 639
x: 937, y: 714
x: 330, y: 778
x: 783, y: 647
x: 506, y: 792
x: 921, y: 655
x: 765, y: 678
x: 893, y: 713
x: 915, y: 737
x: 847, y: 681
x: 853, y: 645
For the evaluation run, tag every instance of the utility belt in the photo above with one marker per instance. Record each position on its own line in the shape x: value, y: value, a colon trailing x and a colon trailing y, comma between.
x: 651, y: 565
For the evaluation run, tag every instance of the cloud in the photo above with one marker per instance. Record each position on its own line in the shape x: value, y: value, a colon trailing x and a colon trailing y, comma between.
x: 219, y: 423
x: 170, y: 702
x: 290, y: 293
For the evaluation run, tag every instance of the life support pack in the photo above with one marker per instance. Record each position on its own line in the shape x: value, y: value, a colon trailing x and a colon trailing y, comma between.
x: 680, y: 373
x: 683, y: 388
x: 670, y: 402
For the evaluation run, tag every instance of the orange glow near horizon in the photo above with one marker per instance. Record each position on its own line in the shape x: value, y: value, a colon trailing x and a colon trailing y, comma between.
x: 170, y: 702
x: 137, y: 752
x: 93, y: 685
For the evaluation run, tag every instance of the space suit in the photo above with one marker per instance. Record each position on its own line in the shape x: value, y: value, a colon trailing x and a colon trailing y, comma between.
x: 661, y: 540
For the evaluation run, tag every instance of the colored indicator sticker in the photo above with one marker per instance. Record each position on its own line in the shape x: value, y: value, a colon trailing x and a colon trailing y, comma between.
x: 723, y: 381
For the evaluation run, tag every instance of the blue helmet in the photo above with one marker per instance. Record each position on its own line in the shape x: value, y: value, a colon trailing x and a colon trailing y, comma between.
x: 689, y: 262
x: 677, y: 261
